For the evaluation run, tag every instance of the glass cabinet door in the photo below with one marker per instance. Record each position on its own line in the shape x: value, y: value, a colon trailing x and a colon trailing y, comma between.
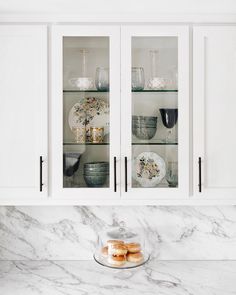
x: 89, y: 122
x: 155, y: 144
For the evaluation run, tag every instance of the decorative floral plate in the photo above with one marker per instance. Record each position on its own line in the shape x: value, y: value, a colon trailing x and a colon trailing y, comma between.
x: 149, y: 169
x: 90, y: 112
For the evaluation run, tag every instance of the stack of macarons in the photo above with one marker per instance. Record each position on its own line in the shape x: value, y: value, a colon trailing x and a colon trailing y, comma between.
x: 118, y: 252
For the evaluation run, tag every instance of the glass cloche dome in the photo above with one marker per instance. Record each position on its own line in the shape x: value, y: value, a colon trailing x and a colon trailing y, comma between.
x: 121, y: 247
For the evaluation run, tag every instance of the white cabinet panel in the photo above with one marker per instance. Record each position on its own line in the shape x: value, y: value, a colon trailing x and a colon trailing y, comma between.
x: 23, y: 111
x: 214, y: 110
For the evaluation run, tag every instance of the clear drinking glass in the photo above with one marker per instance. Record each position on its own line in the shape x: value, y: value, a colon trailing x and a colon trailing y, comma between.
x: 138, y: 80
x: 102, y: 79
x: 172, y: 174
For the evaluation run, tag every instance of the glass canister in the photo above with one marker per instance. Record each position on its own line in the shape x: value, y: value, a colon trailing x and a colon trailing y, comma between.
x: 121, y: 247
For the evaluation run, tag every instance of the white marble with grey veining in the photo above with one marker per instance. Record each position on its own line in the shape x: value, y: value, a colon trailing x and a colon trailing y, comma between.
x: 87, y: 278
x: 70, y: 233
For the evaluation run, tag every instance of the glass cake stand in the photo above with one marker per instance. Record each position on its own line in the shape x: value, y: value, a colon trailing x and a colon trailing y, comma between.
x: 126, y: 236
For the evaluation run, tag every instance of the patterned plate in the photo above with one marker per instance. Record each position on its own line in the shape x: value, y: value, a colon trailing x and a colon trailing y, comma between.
x: 149, y: 169
x: 88, y: 112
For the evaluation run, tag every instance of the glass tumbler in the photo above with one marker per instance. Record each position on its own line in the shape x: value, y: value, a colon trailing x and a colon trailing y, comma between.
x: 172, y: 174
x: 138, y: 80
x: 102, y: 79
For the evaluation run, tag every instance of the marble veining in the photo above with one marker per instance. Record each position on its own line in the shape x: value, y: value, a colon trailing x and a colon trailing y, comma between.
x: 86, y: 278
x: 70, y: 233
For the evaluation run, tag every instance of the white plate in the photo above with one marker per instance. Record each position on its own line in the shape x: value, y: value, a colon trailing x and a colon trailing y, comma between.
x: 149, y: 169
x: 90, y: 112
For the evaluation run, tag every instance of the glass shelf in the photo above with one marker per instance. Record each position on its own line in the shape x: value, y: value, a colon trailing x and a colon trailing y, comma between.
x: 160, y: 185
x: 156, y: 142
x: 136, y: 91
x: 87, y: 91
x: 150, y: 90
x: 85, y: 143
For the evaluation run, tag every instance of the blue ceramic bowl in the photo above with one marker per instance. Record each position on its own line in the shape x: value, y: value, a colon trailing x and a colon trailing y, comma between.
x: 144, y: 132
x: 148, y: 125
x: 89, y: 173
x: 99, y: 169
x: 96, y: 165
x: 95, y: 181
x: 144, y: 119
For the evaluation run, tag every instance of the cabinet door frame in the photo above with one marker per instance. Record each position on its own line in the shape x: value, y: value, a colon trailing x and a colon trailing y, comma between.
x: 58, y: 32
x: 200, y: 35
x: 182, y: 32
x: 38, y: 35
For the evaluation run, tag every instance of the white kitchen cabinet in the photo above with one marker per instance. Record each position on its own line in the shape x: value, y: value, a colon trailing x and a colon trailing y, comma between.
x: 214, y: 102
x: 23, y: 112
x: 78, y: 104
x: 127, y: 56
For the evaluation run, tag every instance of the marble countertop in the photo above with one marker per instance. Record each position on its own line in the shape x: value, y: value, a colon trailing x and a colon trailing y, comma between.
x: 88, y: 278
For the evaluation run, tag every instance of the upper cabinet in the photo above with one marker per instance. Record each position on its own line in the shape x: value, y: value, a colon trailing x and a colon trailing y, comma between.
x: 23, y: 111
x: 120, y: 114
x: 120, y: 124
x: 214, y: 88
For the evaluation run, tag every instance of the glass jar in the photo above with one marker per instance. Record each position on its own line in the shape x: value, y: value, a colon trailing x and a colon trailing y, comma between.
x: 121, y: 247
x: 102, y: 79
x: 138, y: 80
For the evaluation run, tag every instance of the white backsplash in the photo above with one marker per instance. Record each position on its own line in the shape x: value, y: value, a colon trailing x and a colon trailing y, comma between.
x: 70, y: 233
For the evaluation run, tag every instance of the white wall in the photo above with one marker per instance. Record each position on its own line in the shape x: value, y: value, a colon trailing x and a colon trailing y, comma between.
x: 117, y: 6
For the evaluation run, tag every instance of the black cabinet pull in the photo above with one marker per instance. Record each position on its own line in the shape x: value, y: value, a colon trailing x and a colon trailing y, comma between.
x: 126, y: 182
x: 41, y: 174
x: 115, y: 174
x: 200, y: 174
